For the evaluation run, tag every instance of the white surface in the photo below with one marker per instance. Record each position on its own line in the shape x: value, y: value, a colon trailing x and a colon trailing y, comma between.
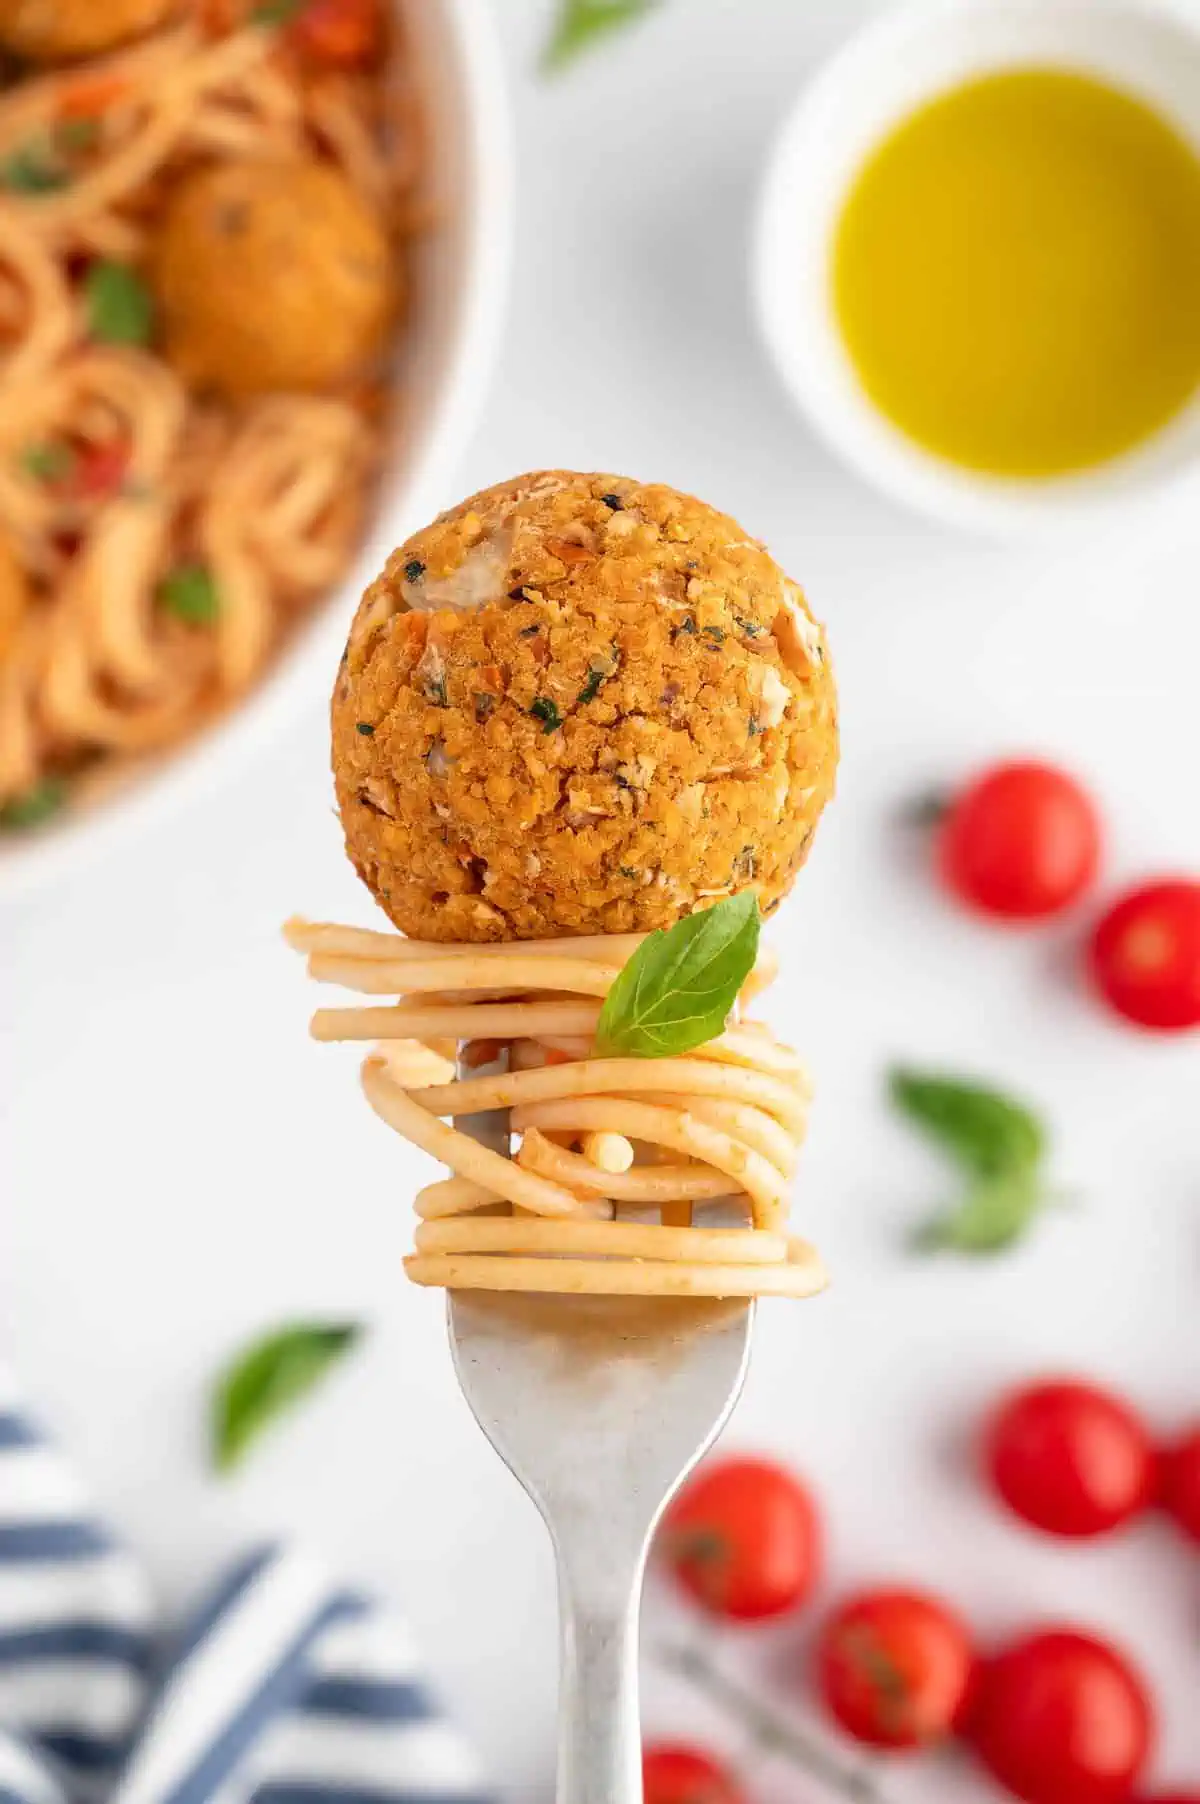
x: 180, y: 1166
x: 902, y: 57
x: 456, y: 306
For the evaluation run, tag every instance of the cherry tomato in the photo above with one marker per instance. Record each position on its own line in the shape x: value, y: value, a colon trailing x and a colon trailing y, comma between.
x: 894, y: 1668
x: 342, y: 33
x: 1179, y: 1482
x: 1021, y: 842
x: 1145, y: 955
x: 743, y: 1538
x: 675, y: 1774
x: 1069, y: 1458
x: 1061, y: 1718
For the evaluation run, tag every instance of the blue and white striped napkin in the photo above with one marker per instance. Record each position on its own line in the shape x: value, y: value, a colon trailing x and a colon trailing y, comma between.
x: 283, y: 1688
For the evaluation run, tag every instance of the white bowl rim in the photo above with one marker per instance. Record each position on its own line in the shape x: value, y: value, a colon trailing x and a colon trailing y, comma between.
x: 850, y: 424
x: 30, y: 864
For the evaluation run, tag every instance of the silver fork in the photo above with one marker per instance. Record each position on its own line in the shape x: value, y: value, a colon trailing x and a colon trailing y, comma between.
x: 600, y: 1406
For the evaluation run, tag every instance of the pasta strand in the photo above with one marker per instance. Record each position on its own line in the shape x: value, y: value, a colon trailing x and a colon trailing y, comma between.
x: 268, y: 495
x: 597, y: 1141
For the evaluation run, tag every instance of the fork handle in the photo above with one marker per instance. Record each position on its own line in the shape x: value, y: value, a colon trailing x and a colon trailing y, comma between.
x: 599, y: 1732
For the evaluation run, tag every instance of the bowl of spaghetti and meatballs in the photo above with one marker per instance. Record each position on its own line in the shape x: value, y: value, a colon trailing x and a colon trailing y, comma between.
x: 251, y: 261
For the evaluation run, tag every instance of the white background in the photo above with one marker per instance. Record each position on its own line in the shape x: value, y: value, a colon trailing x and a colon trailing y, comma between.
x: 181, y: 1166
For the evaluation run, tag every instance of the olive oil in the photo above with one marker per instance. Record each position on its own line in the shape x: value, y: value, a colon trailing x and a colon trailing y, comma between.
x: 1016, y: 273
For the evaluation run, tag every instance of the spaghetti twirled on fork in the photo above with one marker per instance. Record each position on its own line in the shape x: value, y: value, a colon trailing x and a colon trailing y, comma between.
x: 613, y: 1157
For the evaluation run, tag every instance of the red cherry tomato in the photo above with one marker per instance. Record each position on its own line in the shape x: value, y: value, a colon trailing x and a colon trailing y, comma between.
x: 1069, y: 1458
x: 1062, y: 1718
x: 744, y: 1539
x: 894, y: 1668
x: 342, y: 33
x: 1145, y: 955
x: 1179, y: 1482
x: 675, y: 1774
x: 1021, y: 842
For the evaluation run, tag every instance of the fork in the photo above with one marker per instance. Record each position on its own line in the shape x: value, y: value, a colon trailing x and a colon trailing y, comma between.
x: 600, y: 1407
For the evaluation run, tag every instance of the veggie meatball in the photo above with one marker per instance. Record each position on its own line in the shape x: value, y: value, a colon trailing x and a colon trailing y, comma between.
x: 54, y: 31
x: 14, y: 596
x: 273, y: 276
x: 579, y: 704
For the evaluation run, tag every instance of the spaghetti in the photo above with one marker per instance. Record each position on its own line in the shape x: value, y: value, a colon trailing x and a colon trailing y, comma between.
x: 114, y: 474
x: 614, y: 1158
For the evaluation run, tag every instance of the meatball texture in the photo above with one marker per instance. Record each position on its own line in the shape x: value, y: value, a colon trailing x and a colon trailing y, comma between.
x: 273, y: 276
x: 14, y: 597
x: 579, y: 704
x: 52, y: 31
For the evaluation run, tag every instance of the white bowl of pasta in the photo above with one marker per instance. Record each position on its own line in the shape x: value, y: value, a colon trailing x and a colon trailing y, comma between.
x: 187, y: 518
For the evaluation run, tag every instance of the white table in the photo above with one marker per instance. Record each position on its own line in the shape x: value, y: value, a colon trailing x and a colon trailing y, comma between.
x: 182, y: 1167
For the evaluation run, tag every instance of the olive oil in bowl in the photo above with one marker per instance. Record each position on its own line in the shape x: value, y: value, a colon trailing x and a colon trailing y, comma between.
x: 1016, y: 273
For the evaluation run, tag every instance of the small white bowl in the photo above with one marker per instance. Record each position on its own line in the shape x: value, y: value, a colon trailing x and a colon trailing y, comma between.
x: 460, y: 285
x: 912, y: 52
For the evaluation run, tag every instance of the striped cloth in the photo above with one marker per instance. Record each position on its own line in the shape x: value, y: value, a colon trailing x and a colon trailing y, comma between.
x: 282, y: 1689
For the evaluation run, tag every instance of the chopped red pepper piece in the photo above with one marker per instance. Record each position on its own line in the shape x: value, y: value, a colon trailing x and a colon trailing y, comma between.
x: 344, y: 34
x: 101, y: 469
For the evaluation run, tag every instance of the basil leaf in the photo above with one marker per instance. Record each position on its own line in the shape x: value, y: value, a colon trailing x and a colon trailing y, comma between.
x: 276, y: 12
x: 269, y: 1378
x: 190, y: 593
x: 48, y: 461
x: 33, y: 168
x: 997, y: 1143
x: 993, y: 1215
x: 986, y: 1132
x: 677, y: 990
x: 582, y: 23
x: 34, y: 806
x: 120, y: 310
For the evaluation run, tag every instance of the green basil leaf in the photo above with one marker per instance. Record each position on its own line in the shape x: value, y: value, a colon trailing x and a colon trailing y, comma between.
x: 269, y: 1378
x: 993, y: 1215
x: 191, y: 594
x: 33, y: 168
x: 582, y: 23
x: 988, y: 1133
x: 677, y: 990
x: 120, y: 310
x: 34, y: 806
x: 48, y: 461
x: 276, y: 12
